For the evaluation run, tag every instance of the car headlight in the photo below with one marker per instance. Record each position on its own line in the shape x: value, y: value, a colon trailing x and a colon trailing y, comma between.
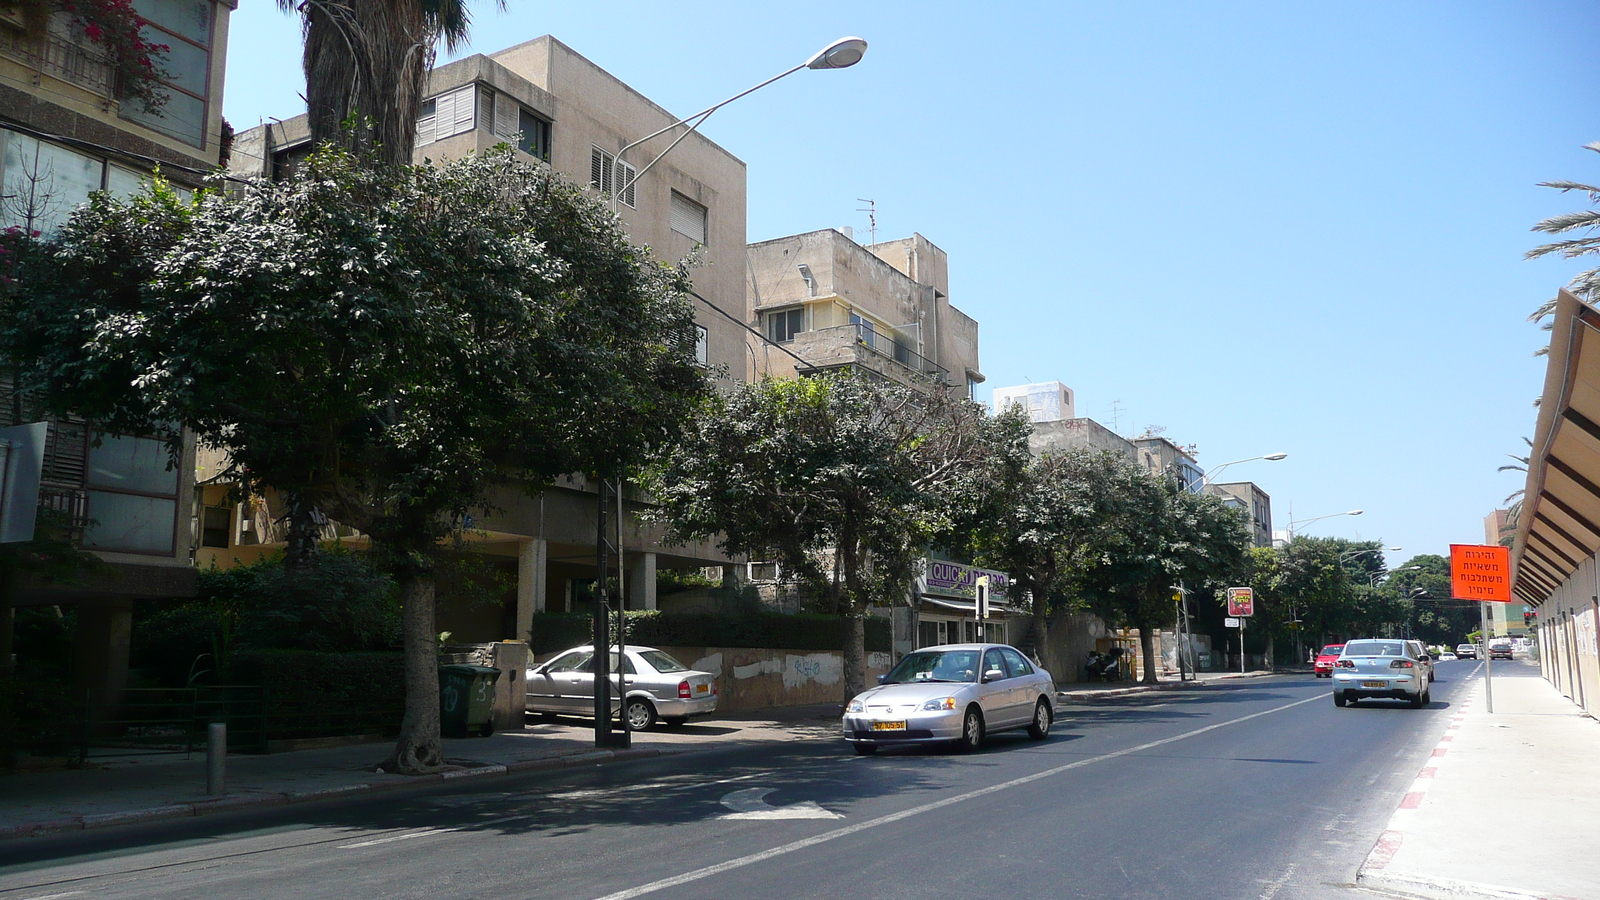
x: 856, y: 706
x: 939, y: 703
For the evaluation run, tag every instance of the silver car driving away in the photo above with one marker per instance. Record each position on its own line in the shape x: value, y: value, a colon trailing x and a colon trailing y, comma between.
x: 1380, y: 669
x: 954, y: 693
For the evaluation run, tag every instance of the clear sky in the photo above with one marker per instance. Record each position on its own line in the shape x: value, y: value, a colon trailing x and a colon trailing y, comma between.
x: 1265, y: 226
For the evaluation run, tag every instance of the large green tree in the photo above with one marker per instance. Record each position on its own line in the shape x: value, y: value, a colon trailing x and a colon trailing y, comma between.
x: 366, y: 66
x: 393, y: 343
x: 845, y: 482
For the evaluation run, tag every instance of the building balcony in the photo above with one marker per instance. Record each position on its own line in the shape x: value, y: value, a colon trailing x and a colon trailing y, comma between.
x: 858, y: 346
x: 61, y: 53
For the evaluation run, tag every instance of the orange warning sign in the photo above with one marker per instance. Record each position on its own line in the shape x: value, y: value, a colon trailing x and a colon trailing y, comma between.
x: 1480, y: 572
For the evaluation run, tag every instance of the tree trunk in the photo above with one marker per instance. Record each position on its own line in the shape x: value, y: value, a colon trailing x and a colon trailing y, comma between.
x: 1269, y: 652
x: 1147, y: 648
x: 366, y: 62
x: 855, y: 655
x: 303, y: 531
x: 1043, y: 649
x: 418, y: 750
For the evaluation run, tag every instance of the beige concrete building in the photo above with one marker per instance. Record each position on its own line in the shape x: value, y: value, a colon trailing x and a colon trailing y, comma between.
x: 560, y: 109
x: 1159, y: 455
x: 65, y: 131
x: 823, y: 302
x: 1250, y: 499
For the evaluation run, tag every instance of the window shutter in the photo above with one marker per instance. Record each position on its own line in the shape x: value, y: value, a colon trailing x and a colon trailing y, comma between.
x: 688, y: 218
x: 599, y: 169
x: 624, y: 183
x: 466, y: 103
x: 506, y: 115
x: 425, y: 122
x: 486, y: 108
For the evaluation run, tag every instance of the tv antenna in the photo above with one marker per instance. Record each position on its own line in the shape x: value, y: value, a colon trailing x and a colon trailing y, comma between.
x: 1116, y: 415
x: 871, y: 209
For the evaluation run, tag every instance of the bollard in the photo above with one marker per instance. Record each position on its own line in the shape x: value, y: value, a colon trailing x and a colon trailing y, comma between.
x: 217, y: 759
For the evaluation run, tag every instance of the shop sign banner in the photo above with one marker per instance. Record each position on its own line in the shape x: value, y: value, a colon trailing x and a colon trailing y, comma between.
x: 948, y: 579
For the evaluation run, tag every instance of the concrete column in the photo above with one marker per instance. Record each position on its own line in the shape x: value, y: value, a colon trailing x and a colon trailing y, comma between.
x: 641, y: 580
x: 532, y: 570
x: 105, y: 631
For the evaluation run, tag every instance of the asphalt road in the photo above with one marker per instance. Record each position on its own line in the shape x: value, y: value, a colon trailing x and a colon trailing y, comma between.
x: 1258, y: 789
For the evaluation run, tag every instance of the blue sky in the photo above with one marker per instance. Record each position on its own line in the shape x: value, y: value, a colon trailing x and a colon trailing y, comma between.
x: 1264, y: 226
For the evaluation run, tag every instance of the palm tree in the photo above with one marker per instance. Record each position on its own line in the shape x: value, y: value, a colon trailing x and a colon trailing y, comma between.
x: 1514, y: 499
x: 1585, y: 284
x: 366, y: 65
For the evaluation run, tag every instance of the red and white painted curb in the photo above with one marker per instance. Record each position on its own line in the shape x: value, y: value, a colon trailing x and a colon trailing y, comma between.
x: 1375, y: 872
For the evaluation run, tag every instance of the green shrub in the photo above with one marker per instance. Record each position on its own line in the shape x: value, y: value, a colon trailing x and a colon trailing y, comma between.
x: 765, y: 630
x: 315, y: 694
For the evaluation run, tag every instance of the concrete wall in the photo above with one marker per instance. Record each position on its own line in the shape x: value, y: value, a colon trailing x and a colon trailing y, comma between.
x: 1569, y: 624
x: 1078, y: 434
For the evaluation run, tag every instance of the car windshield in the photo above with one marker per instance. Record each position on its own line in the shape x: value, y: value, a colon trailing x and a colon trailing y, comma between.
x: 1374, y: 648
x: 936, y: 665
x: 662, y: 662
x: 1332, y: 650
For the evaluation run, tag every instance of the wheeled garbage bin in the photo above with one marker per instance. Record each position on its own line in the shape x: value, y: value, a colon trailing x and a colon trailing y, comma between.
x: 466, y: 700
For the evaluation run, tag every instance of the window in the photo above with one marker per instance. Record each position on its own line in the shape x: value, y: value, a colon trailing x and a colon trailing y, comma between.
x: 42, y: 183
x: 133, y: 496
x: 453, y: 112
x: 608, y: 174
x: 784, y: 324
x: 688, y: 218
x: 526, y: 131
x: 571, y: 662
x: 184, y: 27
x: 1019, y: 664
x: 992, y: 662
x: 216, y: 526
x: 702, y: 346
x: 868, y: 330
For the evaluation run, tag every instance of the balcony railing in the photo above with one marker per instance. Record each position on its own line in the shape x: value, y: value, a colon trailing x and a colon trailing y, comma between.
x: 884, y: 344
x: 62, y: 54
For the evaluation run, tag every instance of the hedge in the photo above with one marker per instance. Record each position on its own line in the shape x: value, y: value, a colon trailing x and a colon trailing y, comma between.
x: 769, y: 631
x: 316, y: 694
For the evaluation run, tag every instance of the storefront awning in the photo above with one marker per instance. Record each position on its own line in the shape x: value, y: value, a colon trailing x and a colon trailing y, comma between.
x: 966, y: 607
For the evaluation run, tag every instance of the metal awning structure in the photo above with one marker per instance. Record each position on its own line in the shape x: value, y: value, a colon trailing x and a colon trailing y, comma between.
x: 965, y: 607
x: 1559, y: 526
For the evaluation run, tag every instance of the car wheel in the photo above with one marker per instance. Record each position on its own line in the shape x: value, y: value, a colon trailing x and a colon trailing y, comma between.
x: 971, y: 731
x: 864, y: 749
x: 1338, y: 699
x: 487, y: 729
x: 675, y: 721
x: 1419, y: 701
x: 1430, y: 678
x: 641, y: 714
x: 1040, y: 729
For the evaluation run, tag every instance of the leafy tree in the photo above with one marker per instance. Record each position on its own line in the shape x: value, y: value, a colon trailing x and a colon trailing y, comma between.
x: 366, y: 65
x: 1434, y: 617
x: 1044, y: 525
x: 1163, y: 535
x: 394, y: 344
x: 843, y: 481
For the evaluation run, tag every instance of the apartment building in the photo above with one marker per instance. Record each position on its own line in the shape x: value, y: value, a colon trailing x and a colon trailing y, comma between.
x: 556, y: 108
x: 1161, y: 456
x: 1250, y: 499
x: 68, y: 127
x: 824, y: 303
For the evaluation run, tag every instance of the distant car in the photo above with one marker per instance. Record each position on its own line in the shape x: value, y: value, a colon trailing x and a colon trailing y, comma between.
x: 659, y: 687
x: 1499, y: 649
x: 1379, y: 669
x: 1447, y: 656
x: 1323, y: 667
x: 957, y: 693
x: 1422, y: 656
x: 1467, y: 651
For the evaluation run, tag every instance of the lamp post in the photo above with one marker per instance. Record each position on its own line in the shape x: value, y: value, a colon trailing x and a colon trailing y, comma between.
x: 1353, y: 512
x: 840, y: 54
x: 1372, y: 580
x: 1210, y: 476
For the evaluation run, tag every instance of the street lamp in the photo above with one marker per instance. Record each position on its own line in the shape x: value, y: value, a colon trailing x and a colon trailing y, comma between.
x: 840, y: 54
x: 1353, y: 512
x: 1207, y: 477
x: 1352, y: 554
x: 1372, y: 579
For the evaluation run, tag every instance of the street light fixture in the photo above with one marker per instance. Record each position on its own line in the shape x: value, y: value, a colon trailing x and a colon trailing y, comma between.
x: 1353, y: 512
x: 1209, y: 476
x: 841, y: 54
x: 1373, y: 578
x: 1352, y: 554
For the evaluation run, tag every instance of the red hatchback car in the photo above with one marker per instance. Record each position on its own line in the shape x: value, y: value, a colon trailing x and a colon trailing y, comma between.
x: 1325, y: 660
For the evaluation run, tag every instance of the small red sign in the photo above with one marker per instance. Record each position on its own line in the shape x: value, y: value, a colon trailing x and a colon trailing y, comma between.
x: 1241, y: 602
x: 1480, y: 572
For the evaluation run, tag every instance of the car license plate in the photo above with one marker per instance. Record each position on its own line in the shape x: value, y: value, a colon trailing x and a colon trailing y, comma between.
x: 1374, y: 684
x: 702, y: 688
x: 888, y: 726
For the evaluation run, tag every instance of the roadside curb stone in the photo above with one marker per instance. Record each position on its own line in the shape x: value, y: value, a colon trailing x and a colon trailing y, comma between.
x: 132, y: 816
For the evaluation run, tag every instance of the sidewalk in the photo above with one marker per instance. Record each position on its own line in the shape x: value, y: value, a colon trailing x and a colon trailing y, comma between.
x: 119, y: 791
x: 1096, y: 690
x: 1506, y: 806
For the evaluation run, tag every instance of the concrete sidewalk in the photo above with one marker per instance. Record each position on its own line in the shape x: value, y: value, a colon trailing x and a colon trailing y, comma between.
x: 1505, y: 807
x: 127, y: 790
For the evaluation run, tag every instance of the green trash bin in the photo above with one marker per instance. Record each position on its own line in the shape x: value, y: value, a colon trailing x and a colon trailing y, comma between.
x: 466, y: 700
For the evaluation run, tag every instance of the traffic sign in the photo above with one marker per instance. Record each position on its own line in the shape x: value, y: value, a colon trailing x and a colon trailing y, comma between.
x: 1480, y: 572
x: 1230, y: 623
x: 1241, y: 601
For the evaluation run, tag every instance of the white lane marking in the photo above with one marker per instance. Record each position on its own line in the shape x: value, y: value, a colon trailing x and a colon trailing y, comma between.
x: 751, y: 803
x: 54, y: 896
x: 848, y: 830
x: 1276, y: 886
x: 395, y: 837
x: 654, y: 785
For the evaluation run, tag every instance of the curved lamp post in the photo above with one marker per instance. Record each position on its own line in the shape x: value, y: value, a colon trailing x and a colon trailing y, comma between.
x: 1208, y: 477
x: 1353, y: 512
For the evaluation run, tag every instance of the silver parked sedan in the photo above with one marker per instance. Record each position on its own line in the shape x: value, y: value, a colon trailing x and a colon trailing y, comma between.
x: 1380, y: 669
x: 954, y: 692
x: 659, y: 687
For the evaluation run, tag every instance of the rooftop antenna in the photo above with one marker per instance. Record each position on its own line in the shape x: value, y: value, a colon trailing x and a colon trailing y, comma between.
x: 1116, y: 414
x: 871, y: 209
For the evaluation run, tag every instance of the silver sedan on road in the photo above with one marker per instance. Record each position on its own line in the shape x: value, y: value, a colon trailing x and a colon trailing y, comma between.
x: 1383, y: 668
x: 954, y: 692
x: 659, y: 687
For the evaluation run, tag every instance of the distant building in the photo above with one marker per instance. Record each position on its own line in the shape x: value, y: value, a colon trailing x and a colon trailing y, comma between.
x: 1062, y: 435
x: 1249, y: 498
x: 1161, y: 456
x: 1499, y: 528
x: 824, y: 303
x: 1047, y: 402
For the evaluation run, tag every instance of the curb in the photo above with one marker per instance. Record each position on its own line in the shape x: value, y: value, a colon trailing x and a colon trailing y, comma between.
x: 269, y: 798
x: 1073, y: 696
